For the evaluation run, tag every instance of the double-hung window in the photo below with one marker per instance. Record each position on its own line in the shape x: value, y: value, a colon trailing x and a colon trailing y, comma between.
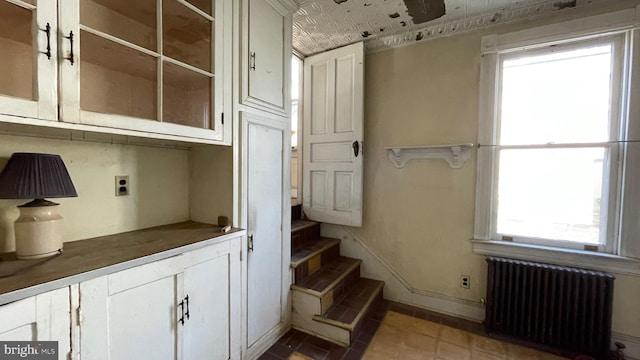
x: 553, y: 139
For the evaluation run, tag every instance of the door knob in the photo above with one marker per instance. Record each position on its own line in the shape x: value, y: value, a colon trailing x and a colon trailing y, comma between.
x: 356, y: 148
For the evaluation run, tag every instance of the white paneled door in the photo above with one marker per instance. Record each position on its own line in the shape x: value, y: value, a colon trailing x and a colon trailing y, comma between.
x: 267, y: 268
x: 333, y: 135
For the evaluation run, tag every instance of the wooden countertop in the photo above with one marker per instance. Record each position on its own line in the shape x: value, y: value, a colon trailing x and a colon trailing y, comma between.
x: 86, y: 259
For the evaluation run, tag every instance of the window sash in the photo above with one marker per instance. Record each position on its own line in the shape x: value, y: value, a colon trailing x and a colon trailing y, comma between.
x: 617, y: 41
x: 486, y: 221
x: 611, y: 175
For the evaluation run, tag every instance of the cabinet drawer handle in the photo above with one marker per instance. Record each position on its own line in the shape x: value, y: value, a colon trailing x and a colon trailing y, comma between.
x: 187, y: 312
x: 181, y: 320
x: 47, y: 30
x: 71, y: 57
x: 253, y: 60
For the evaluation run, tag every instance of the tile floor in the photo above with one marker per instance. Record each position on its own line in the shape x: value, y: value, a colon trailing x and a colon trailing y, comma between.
x: 398, y: 331
x: 402, y: 336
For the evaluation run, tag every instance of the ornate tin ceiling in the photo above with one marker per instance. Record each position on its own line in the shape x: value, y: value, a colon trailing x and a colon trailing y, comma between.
x: 321, y: 25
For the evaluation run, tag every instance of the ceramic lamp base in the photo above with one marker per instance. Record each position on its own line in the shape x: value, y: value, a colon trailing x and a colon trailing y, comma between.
x: 38, y: 232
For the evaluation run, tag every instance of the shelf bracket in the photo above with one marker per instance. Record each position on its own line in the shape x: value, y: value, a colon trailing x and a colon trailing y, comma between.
x: 454, y: 154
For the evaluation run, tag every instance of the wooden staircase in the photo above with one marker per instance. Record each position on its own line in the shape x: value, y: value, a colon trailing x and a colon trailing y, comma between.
x: 330, y: 299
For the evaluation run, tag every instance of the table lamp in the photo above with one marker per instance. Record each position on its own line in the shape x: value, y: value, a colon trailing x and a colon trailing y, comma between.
x: 38, y: 230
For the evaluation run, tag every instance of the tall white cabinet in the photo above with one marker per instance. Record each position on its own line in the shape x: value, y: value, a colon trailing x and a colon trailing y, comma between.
x: 195, y: 71
x: 263, y: 152
x: 265, y: 172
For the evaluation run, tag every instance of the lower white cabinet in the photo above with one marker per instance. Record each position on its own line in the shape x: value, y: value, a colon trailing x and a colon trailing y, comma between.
x: 43, y: 317
x: 183, y: 307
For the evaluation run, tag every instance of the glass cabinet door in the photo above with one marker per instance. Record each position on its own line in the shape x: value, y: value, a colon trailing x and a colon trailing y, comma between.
x: 145, y: 65
x: 28, y: 65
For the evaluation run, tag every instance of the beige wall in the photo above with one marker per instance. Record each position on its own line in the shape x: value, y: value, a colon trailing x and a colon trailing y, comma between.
x: 211, y: 183
x: 419, y: 219
x: 159, y: 188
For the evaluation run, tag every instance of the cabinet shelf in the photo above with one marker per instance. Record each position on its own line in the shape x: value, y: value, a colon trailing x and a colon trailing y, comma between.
x: 187, y: 35
x: 454, y: 154
x: 132, y: 21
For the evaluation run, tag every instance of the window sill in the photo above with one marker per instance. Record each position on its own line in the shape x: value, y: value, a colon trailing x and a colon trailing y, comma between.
x: 576, y: 258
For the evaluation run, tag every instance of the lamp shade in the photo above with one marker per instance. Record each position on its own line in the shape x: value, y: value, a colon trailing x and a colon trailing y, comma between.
x: 35, y: 176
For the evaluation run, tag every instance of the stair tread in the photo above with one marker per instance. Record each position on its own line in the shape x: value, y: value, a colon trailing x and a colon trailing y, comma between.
x: 328, y: 276
x: 310, y: 249
x: 297, y: 225
x: 351, y: 307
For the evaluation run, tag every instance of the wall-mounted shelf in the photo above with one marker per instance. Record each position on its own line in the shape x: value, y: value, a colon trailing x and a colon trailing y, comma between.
x: 454, y: 154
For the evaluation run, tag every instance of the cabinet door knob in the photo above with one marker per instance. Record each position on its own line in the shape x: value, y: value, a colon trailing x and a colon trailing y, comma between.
x: 47, y: 30
x: 71, y: 57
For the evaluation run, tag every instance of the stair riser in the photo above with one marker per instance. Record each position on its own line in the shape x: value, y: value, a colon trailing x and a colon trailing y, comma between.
x: 356, y: 329
x: 299, y: 237
x: 304, y: 307
x: 343, y: 286
x: 334, y: 334
x: 313, y: 305
x: 296, y: 212
x: 312, y: 265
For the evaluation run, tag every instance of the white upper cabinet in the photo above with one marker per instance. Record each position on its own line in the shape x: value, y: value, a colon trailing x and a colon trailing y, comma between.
x: 266, y: 54
x: 28, y: 65
x: 146, y: 65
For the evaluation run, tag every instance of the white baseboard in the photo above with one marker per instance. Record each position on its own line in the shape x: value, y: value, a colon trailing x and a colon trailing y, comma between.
x: 632, y: 352
x: 398, y: 289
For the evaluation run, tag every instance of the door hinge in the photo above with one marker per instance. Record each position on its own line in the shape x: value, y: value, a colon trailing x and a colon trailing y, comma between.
x: 240, y: 255
x: 222, y: 118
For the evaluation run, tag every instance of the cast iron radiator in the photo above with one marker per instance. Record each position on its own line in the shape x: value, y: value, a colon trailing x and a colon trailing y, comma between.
x: 558, y: 307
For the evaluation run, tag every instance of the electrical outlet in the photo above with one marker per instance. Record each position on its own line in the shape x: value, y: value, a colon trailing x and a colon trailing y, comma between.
x: 465, y: 281
x: 122, y: 185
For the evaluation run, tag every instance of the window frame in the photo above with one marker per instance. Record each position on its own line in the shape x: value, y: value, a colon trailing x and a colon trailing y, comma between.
x: 298, y: 100
x: 611, y: 174
x: 620, y: 248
